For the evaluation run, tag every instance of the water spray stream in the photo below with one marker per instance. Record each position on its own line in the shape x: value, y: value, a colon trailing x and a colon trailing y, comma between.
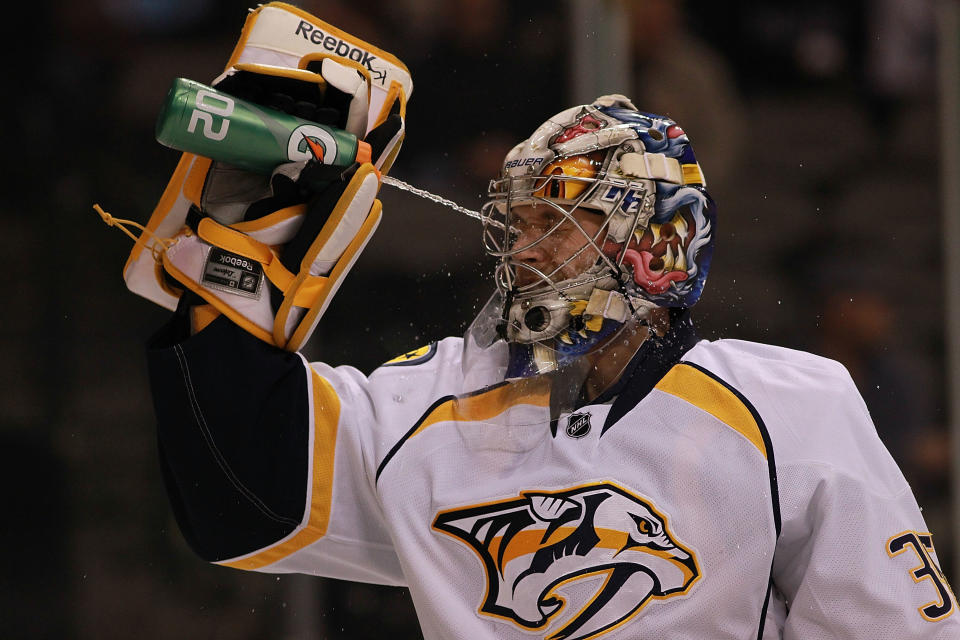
x: 423, y: 193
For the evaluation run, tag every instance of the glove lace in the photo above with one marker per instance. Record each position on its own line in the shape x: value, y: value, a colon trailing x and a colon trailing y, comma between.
x: 159, y: 244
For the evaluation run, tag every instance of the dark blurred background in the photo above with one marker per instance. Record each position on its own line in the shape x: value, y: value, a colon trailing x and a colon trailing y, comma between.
x: 816, y: 125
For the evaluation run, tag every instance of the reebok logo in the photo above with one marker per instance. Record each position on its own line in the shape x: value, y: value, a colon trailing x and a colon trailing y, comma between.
x: 232, y: 273
x: 339, y: 47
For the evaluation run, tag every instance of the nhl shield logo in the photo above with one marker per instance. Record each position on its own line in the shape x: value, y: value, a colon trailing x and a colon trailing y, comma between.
x: 578, y: 425
x: 572, y: 564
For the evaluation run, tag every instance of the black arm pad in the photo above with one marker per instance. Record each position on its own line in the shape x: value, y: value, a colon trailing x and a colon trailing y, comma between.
x: 232, y: 425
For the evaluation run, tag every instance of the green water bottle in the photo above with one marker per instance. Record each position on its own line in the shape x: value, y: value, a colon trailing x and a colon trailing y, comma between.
x: 199, y: 119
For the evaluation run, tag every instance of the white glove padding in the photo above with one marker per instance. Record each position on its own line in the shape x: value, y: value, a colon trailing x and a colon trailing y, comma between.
x: 356, y: 87
x: 269, y: 252
x: 282, y: 41
x: 385, y: 133
x: 279, y: 295
x: 338, y: 99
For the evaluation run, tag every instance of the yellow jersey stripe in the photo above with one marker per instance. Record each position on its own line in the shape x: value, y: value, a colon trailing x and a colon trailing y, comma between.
x: 326, y: 415
x: 692, y: 385
x: 483, y: 406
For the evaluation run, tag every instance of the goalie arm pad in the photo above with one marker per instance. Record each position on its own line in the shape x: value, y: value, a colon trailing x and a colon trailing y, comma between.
x: 264, y: 457
x: 232, y: 437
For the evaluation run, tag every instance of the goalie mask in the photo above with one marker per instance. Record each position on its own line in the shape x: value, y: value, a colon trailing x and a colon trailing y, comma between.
x: 597, y: 219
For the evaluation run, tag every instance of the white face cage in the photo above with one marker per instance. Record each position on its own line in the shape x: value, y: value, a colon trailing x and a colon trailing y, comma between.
x: 500, y: 231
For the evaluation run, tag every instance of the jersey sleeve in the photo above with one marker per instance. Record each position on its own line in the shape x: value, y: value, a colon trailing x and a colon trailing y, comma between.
x: 853, y: 559
x: 854, y: 562
x: 268, y: 461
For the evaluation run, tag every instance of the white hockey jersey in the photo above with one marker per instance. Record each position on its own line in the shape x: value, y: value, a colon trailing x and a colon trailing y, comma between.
x: 747, y: 495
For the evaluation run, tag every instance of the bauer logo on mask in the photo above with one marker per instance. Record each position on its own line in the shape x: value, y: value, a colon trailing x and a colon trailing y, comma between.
x: 597, y: 550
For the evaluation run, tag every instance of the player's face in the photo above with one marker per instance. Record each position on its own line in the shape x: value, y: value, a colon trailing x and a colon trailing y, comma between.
x: 568, y: 240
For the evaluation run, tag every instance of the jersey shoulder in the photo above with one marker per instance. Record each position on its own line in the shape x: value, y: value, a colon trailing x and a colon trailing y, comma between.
x: 745, y: 360
x: 785, y: 380
x: 413, y: 357
x: 438, y: 357
x: 808, y: 404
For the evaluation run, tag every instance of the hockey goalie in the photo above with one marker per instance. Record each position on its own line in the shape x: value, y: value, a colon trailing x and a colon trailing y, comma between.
x: 579, y: 464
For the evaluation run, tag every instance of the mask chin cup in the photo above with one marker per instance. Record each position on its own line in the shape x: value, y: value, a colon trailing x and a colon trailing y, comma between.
x: 537, y: 319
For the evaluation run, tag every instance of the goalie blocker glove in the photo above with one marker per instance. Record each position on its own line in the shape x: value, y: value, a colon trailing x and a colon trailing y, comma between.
x: 270, y: 252
x: 277, y: 295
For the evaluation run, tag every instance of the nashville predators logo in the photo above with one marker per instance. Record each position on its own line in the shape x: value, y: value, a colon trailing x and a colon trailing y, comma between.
x: 598, y: 548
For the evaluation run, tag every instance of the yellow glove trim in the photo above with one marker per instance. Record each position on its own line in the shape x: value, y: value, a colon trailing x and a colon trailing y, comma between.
x: 326, y: 417
x: 336, y: 275
x: 167, y: 200
x: 393, y: 94
x: 270, y: 220
x: 224, y: 237
x: 302, y: 291
x: 201, y: 316
x: 193, y: 185
x: 222, y: 306
x: 392, y: 156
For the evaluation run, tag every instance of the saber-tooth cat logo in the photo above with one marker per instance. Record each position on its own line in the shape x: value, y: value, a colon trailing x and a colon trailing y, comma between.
x: 575, y: 563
